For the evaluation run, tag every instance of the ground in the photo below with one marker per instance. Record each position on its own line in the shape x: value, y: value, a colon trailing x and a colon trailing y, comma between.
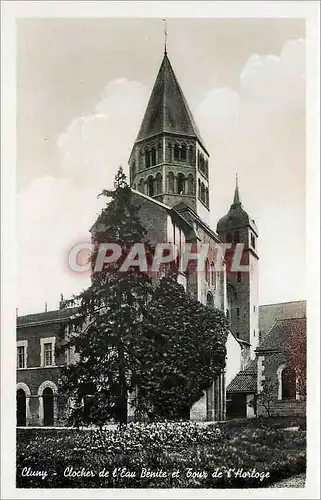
x: 297, y: 481
x: 232, y: 454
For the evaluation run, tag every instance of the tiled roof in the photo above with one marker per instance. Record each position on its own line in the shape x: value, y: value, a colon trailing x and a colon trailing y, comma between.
x: 270, y: 313
x: 245, y: 380
x: 167, y: 110
x: 46, y: 317
x: 278, y: 337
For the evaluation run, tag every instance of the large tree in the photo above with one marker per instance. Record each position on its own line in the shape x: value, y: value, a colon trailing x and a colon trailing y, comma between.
x: 296, y: 351
x: 185, y: 350
x: 106, y: 330
x: 134, y: 337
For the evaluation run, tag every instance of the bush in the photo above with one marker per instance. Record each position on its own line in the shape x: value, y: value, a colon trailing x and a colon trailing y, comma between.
x: 162, y: 455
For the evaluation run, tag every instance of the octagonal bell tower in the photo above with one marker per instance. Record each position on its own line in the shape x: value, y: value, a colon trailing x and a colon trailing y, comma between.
x: 169, y: 161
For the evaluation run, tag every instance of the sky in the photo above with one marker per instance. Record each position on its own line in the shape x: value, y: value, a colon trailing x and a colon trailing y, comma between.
x: 82, y: 88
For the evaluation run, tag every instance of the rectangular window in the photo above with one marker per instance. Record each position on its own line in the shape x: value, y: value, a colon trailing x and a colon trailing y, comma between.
x: 252, y: 241
x: 48, y: 354
x: 21, y: 356
x: 238, y: 312
x: 47, y: 351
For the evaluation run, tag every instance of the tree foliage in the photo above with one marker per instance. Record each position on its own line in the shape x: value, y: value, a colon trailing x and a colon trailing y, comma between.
x: 185, y: 351
x: 106, y: 329
x: 296, y: 352
x: 133, y: 337
x: 266, y: 397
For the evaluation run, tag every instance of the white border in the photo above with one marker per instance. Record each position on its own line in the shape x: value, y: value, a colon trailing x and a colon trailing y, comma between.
x: 10, y: 11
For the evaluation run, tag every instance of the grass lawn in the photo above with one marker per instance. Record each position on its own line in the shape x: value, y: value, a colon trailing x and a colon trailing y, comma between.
x: 233, y: 454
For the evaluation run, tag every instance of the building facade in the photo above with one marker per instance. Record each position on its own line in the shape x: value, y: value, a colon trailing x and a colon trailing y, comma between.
x: 170, y: 178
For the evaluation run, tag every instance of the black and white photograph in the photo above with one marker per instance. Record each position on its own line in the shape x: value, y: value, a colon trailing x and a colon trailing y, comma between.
x: 161, y: 331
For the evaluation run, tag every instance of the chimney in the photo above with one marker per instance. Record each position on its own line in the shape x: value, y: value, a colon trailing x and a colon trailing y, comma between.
x: 61, y: 302
x: 16, y: 312
x: 46, y: 307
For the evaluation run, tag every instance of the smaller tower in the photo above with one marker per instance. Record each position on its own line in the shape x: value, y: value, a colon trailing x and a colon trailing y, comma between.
x: 242, y: 287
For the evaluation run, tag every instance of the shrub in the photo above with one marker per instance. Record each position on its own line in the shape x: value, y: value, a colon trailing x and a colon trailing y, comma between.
x: 147, y: 455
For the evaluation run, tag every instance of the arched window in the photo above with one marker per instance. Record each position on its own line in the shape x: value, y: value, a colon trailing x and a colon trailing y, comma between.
x: 191, y: 154
x: 150, y: 186
x: 203, y: 192
x: 213, y: 276
x: 209, y: 300
x: 153, y: 156
x: 236, y: 237
x: 199, y: 189
x: 176, y: 152
x: 48, y: 407
x: 190, y: 184
x: 170, y: 179
x: 202, y: 164
x: 206, y: 168
x: 21, y: 408
x: 141, y: 185
x: 288, y: 381
x: 158, y: 183
x: 207, y: 271
x: 180, y: 184
x: 206, y: 197
x: 147, y: 159
x: 183, y: 153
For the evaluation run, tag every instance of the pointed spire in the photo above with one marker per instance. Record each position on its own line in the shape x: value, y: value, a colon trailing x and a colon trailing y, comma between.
x: 167, y: 110
x: 237, y: 200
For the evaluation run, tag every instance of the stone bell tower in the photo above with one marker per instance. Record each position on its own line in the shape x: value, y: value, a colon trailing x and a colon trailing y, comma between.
x: 169, y: 161
x: 242, y: 287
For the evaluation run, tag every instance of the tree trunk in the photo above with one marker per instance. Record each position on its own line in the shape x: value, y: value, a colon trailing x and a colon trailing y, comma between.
x: 122, y: 401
